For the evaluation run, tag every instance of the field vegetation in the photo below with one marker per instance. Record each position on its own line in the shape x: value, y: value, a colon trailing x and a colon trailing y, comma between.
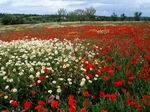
x: 75, y: 67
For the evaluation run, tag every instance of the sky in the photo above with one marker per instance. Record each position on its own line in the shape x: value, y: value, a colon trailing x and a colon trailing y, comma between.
x: 103, y: 7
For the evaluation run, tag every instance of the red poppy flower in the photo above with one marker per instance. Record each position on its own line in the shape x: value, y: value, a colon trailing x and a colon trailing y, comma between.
x: 86, y: 93
x: 103, y: 111
x: 89, y: 75
x: 146, y: 56
x: 129, y: 82
x: 102, y: 94
x: 119, y: 82
x: 40, y: 102
x: 41, y: 78
x: 5, y: 111
x: 106, y: 78
x: 110, y: 72
x: 139, y: 107
x: 102, y: 69
x: 118, y: 67
x: 85, y: 103
x: 38, y: 107
x: 127, y: 67
x: 33, y: 92
x: 145, y: 97
x: 83, y: 110
x: 148, y: 103
x: 70, y: 97
x: 72, y: 109
x: 94, y: 97
x: 46, y: 70
x: 72, y: 104
x: 27, y: 105
x: 14, y: 103
x: 54, y: 104
x: 131, y: 78
x: 113, y: 96
x: 131, y: 102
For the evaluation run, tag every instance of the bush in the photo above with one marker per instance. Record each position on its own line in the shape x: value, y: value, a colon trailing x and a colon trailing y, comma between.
x: 11, y: 19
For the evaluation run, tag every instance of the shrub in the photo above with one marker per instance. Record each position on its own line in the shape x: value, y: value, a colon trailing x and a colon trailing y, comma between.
x: 11, y: 19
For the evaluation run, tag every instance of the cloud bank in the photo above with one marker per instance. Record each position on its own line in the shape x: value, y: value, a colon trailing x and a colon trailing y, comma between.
x: 103, y: 7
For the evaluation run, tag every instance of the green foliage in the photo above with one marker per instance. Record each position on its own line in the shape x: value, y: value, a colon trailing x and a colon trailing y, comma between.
x: 82, y: 15
x: 61, y: 12
x: 90, y: 13
x: 123, y: 17
x: 12, y: 19
x: 76, y: 15
x: 114, y: 17
x: 137, y: 16
x: 62, y: 15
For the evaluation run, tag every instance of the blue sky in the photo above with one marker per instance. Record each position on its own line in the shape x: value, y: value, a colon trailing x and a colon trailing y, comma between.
x: 103, y: 7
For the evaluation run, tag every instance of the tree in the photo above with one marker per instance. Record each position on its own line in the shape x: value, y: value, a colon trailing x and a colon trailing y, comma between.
x: 76, y: 15
x: 61, y: 14
x: 90, y: 13
x: 72, y: 16
x: 137, y: 16
x: 123, y: 17
x: 114, y: 17
x: 79, y: 13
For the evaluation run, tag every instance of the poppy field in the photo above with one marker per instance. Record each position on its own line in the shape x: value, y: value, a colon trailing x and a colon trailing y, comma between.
x: 82, y: 68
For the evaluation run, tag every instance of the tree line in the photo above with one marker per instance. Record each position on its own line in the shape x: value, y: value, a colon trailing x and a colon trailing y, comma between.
x: 88, y: 14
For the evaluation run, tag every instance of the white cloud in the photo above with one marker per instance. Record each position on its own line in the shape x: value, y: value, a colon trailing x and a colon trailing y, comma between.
x: 42, y: 3
x: 51, y: 5
x: 104, y: 7
x: 3, y: 1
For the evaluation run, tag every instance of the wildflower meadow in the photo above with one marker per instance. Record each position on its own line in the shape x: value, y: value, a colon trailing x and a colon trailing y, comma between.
x: 83, y: 68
